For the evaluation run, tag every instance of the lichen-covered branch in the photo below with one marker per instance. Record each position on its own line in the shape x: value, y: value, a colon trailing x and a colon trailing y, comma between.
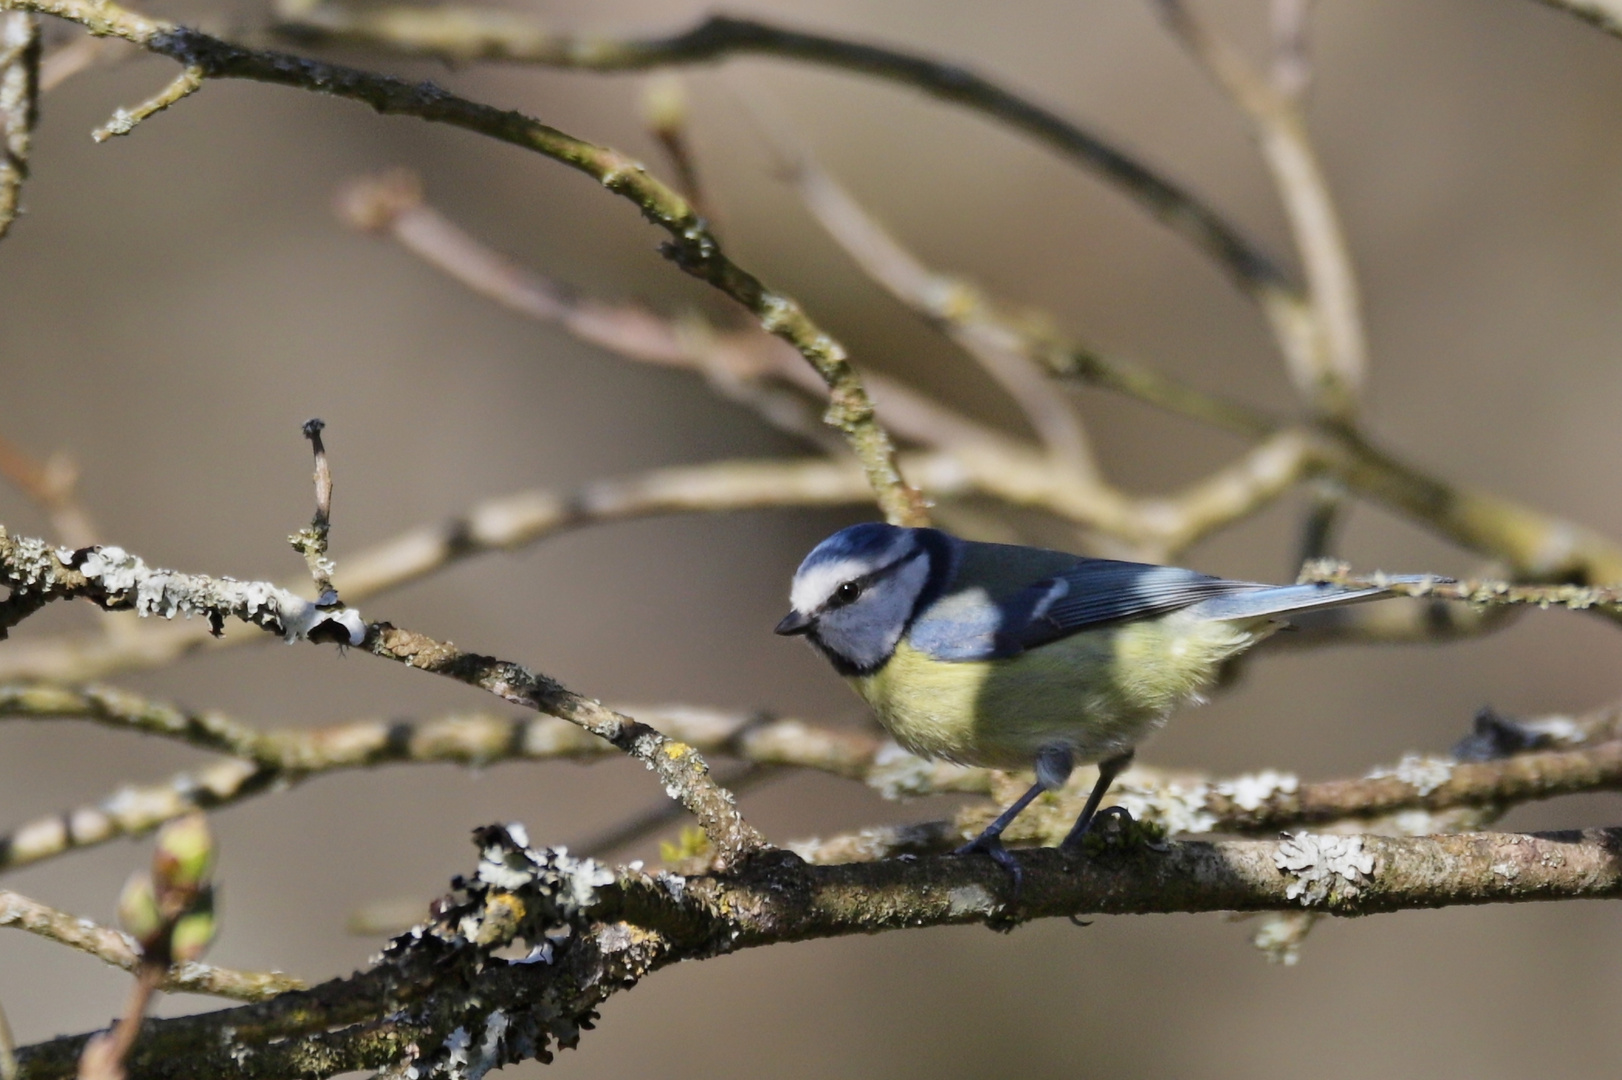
x: 439, y: 1002
x: 117, y: 949
x: 113, y: 579
x: 1606, y: 599
x: 691, y: 245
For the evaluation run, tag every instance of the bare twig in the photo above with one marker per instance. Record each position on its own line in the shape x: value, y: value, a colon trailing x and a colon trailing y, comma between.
x: 690, y: 246
x: 1323, y: 344
x: 664, y: 111
x: 951, y: 304
x: 19, y: 106
x: 311, y: 542
x: 123, y: 122
x: 393, y: 203
x: 117, y: 949
x: 480, y: 34
x: 103, y: 1056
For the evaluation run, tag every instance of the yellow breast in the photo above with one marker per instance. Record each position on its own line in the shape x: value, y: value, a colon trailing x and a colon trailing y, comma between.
x: 1097, y: 692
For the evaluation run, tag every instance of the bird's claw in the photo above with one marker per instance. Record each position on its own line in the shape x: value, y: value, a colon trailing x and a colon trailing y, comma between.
x: 993, y: 846
x: 1124, y: 821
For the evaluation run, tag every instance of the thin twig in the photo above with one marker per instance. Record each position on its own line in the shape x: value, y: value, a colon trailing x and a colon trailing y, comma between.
x: 1557, y: 756
x: 312, y: 542
x: 1324, y: 343
x: 665, y: 112
x: 690, y: 246
x: 480, y: 34
x: 952, y: 305
x: 104, y: 1055
x: 393, y: 203
x: 123, y: 121
x: 117, y: 949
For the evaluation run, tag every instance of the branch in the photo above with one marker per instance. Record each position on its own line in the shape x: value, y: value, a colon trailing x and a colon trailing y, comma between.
x: 115, y: 580
x: 117, y: 949
x: 1553, y: 756
x: 19, y: 107
x: 439, y: 1002
x: 464, y: 34
x: 691, y: 246
x: 1606, y: 599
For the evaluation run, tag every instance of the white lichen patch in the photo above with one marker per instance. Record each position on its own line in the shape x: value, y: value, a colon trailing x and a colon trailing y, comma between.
x: 489, y: 1056
x: 514, y: 865
x: 165, y: 594
x: 1423, y: 774
x: 457, y: 1049
x: 1319, y: 863
x: 1252, y: 792
x: 1507, y: 871
x: 1176, y: 807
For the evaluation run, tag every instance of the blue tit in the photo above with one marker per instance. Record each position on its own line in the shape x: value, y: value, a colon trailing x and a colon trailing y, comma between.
x: 1008, y: 657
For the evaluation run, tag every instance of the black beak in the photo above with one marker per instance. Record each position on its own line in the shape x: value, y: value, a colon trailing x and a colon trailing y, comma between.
x: 794, y: 623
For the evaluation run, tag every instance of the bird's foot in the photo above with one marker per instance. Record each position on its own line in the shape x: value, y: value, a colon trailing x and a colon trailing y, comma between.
x: 991, y: 844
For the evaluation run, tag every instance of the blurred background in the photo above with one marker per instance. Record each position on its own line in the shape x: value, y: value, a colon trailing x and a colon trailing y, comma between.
x: 174, y: 304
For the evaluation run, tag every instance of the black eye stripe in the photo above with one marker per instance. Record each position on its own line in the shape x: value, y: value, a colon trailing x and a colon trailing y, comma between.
x: 835, y: 602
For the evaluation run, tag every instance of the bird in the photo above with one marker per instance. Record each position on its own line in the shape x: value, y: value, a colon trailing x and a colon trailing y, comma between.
x: 1011, y: 657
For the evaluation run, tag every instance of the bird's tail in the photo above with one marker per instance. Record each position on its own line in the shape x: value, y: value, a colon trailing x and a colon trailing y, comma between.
x: 1283, y: 599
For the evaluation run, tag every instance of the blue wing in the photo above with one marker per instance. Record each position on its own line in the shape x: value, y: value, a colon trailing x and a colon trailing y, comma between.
x: 1098, y: 591
x: 969, y: 623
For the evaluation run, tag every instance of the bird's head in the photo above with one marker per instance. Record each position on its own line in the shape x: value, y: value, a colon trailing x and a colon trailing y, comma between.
x: 854, y: 595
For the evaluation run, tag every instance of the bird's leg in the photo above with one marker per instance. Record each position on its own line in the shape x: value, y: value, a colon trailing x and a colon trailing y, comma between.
x: 1053, y: 767
x: 1107, y: 772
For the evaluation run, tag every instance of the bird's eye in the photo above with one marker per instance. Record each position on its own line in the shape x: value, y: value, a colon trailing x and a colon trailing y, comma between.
x: 847, y: 593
